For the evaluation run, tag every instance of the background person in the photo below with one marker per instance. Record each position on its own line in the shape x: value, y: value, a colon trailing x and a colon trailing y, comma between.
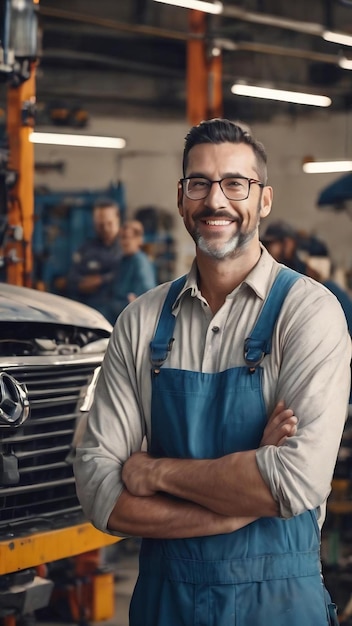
x: 91, y: 276
x: 135, y: 273
x: 281, y: 240
x: 283, y: 243
x: 230, y: 520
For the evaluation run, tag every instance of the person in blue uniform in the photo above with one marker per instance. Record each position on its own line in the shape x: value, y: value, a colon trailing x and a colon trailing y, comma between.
x: 91, y: 276
x: 241, y: 393
x: 135, y: 273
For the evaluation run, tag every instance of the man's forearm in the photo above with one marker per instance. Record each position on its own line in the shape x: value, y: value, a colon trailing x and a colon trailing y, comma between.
x: 90, y: 283
x: 164, y: 517
x: 231, y: 485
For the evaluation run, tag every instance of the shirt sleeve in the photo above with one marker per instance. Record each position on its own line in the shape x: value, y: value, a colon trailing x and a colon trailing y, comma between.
x: 313, y: 346
x: 115, y: 429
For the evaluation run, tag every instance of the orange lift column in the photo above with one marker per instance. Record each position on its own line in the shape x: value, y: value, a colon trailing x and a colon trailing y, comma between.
x: 204, y: 73
x: 215, y: 98
x: 20, y: 124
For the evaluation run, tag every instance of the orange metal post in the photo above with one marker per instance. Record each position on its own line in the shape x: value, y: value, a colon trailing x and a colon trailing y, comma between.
x: 215, y: 97
x: 20, y: 123
x: 204, y: 74
x: 197, y: 71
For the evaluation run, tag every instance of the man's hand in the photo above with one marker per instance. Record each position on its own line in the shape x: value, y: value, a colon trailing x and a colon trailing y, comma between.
x: 138, y: 470
x: 282, y: 424
x: 90, y: 283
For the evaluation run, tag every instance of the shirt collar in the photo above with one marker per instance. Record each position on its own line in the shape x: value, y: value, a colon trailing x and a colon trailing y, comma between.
x: 259, y: 279
x: 190, y: 287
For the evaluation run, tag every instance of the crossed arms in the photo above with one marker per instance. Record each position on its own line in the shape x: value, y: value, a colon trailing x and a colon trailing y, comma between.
x: 179, y: 498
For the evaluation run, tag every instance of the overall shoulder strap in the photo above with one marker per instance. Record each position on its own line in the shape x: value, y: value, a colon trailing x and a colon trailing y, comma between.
x: 161, y: 344
x: 259, y: 343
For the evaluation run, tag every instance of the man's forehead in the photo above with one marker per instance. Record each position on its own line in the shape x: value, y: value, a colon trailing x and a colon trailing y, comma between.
x: 224, y: 150
x: 230, y: 157
x: 106, y: 212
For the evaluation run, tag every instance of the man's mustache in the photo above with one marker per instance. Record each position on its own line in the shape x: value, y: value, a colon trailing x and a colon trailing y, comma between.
x: 215, y: 215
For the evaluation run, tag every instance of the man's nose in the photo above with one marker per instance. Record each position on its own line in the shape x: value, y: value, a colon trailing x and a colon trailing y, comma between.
x: 216, y: 197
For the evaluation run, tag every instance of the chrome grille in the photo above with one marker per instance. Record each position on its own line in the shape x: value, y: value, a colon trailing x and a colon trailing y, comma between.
x: 45, y: 496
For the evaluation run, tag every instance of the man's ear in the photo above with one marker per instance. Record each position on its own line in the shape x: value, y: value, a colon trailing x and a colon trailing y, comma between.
x: 266, y: 201
x: 180, y: 199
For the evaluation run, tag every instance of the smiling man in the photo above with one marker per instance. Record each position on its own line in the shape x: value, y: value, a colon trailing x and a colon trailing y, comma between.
x: 242, y: 396
x: 221, y: 234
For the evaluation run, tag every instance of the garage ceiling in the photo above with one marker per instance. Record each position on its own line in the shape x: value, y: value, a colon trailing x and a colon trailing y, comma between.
x: 128, y: 57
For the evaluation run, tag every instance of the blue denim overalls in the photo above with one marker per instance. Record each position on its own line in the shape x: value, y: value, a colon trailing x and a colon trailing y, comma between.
x: 265, y: 574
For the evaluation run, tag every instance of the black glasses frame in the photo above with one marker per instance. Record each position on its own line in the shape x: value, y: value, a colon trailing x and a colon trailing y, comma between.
x: 250, y: 181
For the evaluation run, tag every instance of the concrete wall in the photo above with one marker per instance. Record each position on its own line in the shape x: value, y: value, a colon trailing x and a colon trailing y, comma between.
x: 150, y: 166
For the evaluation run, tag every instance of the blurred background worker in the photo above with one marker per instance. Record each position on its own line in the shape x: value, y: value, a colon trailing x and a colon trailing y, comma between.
x: 280, y: 239
x: 135, y: 273
x: 95, y: 263
x: 307, y: 255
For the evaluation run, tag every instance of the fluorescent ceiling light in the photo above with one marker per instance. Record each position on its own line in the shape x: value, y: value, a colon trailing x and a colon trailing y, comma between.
x: 198, y: 5
x: 84, y: 141
x: 324, y: 167
x: 340, y: 38
x: 281, y: 95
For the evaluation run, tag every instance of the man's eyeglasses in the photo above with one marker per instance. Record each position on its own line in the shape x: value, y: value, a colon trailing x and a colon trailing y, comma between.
x: 233, y: 187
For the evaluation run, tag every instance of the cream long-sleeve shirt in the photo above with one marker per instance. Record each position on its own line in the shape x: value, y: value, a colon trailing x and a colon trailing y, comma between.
x: 308, y: 368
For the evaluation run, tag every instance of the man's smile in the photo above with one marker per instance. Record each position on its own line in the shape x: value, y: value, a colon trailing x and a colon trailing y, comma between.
x: 218, y: 222
x: 220, y: 219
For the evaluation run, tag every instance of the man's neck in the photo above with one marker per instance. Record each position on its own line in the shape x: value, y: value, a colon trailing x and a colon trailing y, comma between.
x: 219, y: 278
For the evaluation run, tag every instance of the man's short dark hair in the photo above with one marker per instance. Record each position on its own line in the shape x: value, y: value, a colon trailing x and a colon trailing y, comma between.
x: 105, y: 203
x: 221, y: 131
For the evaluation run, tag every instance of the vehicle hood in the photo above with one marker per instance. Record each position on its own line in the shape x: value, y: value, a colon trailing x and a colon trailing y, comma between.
x: 21, y: 304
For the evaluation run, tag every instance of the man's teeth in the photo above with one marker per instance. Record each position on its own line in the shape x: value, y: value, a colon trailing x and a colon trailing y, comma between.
x: 218, y: 222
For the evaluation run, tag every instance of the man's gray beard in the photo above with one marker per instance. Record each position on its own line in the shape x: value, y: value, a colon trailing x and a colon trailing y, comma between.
x: 211, y: 248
